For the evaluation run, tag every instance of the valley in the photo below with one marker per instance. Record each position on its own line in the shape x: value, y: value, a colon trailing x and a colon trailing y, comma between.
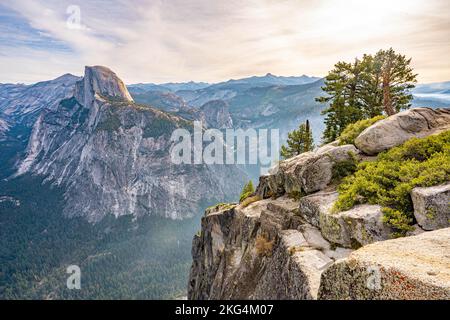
x: 86, y: 177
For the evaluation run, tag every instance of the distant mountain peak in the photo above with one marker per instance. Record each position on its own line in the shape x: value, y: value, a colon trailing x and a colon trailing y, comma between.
x: 66, y: 76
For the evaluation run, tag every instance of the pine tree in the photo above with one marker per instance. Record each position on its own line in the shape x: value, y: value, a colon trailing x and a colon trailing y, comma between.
x: 343, y: 86
x: 397, y: 78
x: 299, y: 141
x: 309, y: 140
x: 364, y: 89
x: 370, y: 95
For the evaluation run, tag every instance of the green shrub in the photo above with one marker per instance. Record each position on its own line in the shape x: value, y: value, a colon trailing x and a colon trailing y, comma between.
x: 353, y: 130
x: 247, y: 191
x: 249, y: 200
x: 342, y: 169
x: 388, y: 181
x: 221, y: 206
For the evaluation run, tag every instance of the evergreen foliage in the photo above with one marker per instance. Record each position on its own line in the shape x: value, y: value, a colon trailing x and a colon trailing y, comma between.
x: 353, y: 130
x: 397, y: 78
x: 366, y: 88
x: 299, y: 141
x: 388, y: 181
x: 120, y: 258
x: 247, y: 191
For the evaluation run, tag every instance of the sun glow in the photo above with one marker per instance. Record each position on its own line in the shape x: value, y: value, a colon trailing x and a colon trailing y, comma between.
x: 356, y: 19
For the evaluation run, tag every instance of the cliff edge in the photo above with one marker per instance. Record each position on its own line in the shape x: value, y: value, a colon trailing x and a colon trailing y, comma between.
x: 291, y: 241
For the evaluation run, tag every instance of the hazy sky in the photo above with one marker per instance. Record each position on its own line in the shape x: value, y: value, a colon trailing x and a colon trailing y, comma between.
x: 214, y: 40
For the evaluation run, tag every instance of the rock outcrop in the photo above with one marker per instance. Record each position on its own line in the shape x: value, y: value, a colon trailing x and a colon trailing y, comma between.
x: 395, y: 130
x: 317, y: 205
x: 432, y: 206
x: 408, y: 268
x: 263, y: 251
x: 291, y: 243
x: 356, y: 227
x: 216, y: 115
x: 308, y: 172
x: 103, y: 82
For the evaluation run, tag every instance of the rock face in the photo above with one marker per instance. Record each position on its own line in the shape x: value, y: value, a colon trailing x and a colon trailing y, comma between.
x: 408, y: 268
x: 432, y: 206
x: 22, y: 104
x: 395, y: 130
x: 310, y: 171
x: 295, y: 269
x: 216, y: 114
x: 263, y: 251
x: 293, y: 245
x: 113, y: 156
x: 269, y: 251
x: 4, y: 127
x: 316, y: 205
x: 353, y: 228
x: 356, y: 227
x: 102, y: 81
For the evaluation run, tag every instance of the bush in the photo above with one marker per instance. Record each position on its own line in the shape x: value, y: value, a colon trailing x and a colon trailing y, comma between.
x: 353, y: 130
x: 221, y: 206
x: 247, y: 191
x: 344, y: 168
x: 388, y: 181
x: 249, y: 200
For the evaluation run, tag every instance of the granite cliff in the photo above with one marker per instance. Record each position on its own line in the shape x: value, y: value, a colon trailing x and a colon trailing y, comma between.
x: 290, y: 242
x: 112, y: 156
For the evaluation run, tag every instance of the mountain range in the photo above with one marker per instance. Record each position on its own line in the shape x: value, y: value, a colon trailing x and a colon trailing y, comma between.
x: 254, y: 81
x: 86, y: 176
x: 433, y: 94
x: 87, y: 179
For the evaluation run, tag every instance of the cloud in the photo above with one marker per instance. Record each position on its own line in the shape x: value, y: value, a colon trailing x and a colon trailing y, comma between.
x: 180, y: 40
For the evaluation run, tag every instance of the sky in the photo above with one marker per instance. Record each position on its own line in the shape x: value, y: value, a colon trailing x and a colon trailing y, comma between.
x: 203, y: 40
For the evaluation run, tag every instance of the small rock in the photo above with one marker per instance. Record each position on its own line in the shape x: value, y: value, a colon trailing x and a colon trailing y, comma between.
x: 310, y: 171
x: 432, y: 273
x: 311, y: 206
x: 314, y: 237
x: 432, y: 206
x: 356, y: 227
x: 397, y: 129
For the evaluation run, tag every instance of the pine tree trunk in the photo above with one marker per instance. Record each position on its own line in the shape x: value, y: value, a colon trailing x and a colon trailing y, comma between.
x: 387, y: 102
